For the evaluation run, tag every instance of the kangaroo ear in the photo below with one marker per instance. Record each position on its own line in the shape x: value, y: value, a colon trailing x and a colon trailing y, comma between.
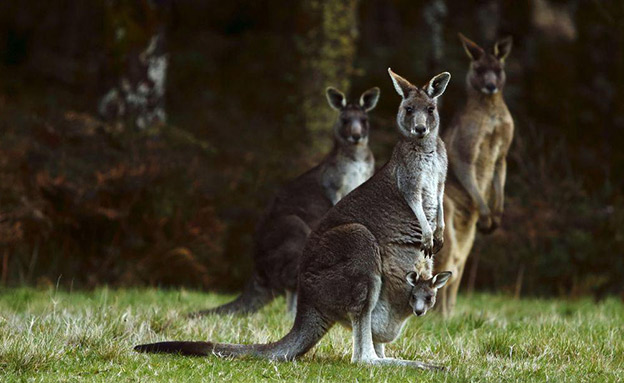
x: 335, y: 98
x: 412, y: 277
x: 368, y: 99
x: 437, y: 85
x: 502, y: 48
x: 440, y: 279
x: 402, y: 86
x: 472, y: 49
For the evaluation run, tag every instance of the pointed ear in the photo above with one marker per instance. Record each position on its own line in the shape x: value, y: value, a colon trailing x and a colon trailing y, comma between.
x: 402, y: 86
x: 440, y: 279
x: 368, y: 99
x: 437, y: 85
x: 412, y: 277
x: 472, y: 49
x: 335, y: 98
x: 502, y: 48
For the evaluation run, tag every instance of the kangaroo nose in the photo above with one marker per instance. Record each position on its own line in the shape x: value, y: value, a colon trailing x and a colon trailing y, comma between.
x: 420, y: 129
x: 490, y: 87
x: 419, y: 312
x: 356, y: 137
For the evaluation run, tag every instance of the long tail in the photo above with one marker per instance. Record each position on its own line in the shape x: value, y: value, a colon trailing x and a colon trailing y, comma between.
x: 307, y: 331
x: 253, y: 298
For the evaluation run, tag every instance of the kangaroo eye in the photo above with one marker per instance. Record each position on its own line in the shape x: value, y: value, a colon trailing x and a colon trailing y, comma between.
x: 409, y: 109
x: 430, y: 110
x: 344, y: 120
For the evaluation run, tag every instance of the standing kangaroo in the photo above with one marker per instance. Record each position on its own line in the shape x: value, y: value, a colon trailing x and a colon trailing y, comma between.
x: 477, y: 142
x: 298, y: 207
x: 354, y: 264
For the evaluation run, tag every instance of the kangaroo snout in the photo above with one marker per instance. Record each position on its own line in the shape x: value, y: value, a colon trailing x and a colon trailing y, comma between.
x: 356, y: 132
x: 419, y: 129
x: 490, y: 87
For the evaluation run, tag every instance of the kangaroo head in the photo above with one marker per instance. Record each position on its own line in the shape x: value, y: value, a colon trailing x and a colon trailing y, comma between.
x: 352, y: 127
x: 418, y: 112
x: 487, y: 70
x: 424, y: 291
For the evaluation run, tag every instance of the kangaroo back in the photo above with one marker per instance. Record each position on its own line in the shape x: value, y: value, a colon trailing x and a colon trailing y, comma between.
x: 299, y: 206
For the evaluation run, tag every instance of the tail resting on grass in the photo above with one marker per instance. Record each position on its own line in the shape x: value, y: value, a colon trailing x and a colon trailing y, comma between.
x: 307, y: 331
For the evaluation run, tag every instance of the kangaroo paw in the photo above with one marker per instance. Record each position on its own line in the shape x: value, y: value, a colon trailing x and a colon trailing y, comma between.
x: 403, y: 363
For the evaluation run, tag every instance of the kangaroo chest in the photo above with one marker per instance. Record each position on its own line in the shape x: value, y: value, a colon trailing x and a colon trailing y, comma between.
x: 495, y: 140
x: 421, y: 183
x: 353, y: 173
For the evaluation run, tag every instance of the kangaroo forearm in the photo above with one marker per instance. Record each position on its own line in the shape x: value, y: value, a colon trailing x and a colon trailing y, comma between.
x: 440, y: 213
x: 466, y: 177
x: 416, y: 206
x: 498, y: 186
x: 498, y: 198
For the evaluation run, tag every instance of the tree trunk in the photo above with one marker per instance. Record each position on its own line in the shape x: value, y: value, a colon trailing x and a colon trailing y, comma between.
x: 435, y: 15
x: 328, y: 32
x: 488, y: 15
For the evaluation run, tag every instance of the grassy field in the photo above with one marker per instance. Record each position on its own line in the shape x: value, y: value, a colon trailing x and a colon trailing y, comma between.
x: 55, y: 336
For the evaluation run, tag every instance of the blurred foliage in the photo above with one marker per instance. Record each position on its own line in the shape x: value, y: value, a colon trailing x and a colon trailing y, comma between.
x: 99, y: 204
x: 93, y: 203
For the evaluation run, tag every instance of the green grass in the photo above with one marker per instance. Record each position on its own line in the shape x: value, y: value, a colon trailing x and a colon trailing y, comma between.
x: 55, y: 336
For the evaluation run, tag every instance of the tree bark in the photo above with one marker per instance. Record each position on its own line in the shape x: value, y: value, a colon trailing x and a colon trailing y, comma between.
x: 327, y: 45
x: 435, y: 13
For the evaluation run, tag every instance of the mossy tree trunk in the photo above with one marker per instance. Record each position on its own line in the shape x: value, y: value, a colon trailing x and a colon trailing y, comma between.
x: 327, y: 45
x: 434, y: 14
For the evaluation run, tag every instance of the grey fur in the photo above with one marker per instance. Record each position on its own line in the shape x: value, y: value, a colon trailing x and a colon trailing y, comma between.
x: 354, y: 263
x: 298, y: 207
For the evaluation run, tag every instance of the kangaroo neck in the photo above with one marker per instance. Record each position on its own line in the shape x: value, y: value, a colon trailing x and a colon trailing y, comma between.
x: 352, y: 151
x: 479, y: 99
x: 407, y: 149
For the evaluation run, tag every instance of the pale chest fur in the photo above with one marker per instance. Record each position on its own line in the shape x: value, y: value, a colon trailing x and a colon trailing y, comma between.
x: 496, y: 132
x: 353, y: 174
x: 421, y: 177
x: 344, y: 173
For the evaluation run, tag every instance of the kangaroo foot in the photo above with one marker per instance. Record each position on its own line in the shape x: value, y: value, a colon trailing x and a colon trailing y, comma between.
x: 402, y: 362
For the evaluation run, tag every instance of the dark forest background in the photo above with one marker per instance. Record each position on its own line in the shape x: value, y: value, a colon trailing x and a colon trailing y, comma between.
x: 161, y: 182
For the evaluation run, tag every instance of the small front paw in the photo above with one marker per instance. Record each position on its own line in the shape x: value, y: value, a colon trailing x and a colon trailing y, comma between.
x: 496, y: 220
x: 484, y: 225
x: 438, y: 244
x: 438, y: 239
x: 426, y: 244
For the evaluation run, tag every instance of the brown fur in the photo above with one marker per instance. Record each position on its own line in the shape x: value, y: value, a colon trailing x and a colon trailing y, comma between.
x: 477, y: 144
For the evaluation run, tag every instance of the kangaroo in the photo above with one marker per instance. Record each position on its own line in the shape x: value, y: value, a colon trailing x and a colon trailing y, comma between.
x: 419, y: 297
x: 298, y: 207
x: 477, y: 142
x: 424, y: 291
x: 354, y: 263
